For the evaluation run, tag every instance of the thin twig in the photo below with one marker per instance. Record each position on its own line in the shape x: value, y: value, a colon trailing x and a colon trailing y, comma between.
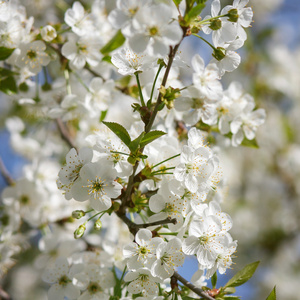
x: 196, y: 290
x: 133, y: 227
x: 7, y: 177
x: 65, y: 133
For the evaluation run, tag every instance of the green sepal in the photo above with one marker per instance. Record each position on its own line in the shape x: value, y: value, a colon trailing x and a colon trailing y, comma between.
x: 150, y: 137
x: 116, y: 42
x: 177, y: 2
x: 214, y: 280
x: 120, y: 131
x: 250, y: 143
x: 272, y: 295
x: 134, y: 145
x: 103, y: 115
x: 5, y: 52
x: 243, y: 275
x: 107, y: 58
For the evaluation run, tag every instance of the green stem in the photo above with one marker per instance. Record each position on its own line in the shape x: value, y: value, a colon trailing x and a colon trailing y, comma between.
x: 153, y: 86
x: 82, y: 83
x: 123, y: 274
x: 207, y: 21
x: 166, y: 160
x: 200, y: 37
x: 167, y: 233
x: 140, y: 89
x: 163, y: 170
x: 117, y: 152
x: 101, y: 212
x: 166, y: 173
x: 67, y: 77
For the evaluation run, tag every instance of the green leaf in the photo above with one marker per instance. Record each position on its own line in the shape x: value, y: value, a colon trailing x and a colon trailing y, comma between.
x: 120, y: 131
x: 231, y: 298
x: 5, y: 73
x: 5, y: 52
x: 177, y: 2
x: 243, y: 275
x: 194, y: 12
x: 134, y: 145
x: 107, y: 58
x: 116, y: 42
x: 150, y: 137
x: 229, y: 290
x: 272, y: 296
x: 214, y: 280
x: 8, y: 85
x: 250, y: 143
x: 103, y: 115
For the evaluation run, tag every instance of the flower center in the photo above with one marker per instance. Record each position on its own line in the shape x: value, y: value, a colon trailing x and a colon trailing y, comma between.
x: 94, y: 287
x: 31, y: 54
x: 197, y: 103
x: 64, y: 280
x: 203, y: 239
x: 153, y: 31
x: 24, y: 199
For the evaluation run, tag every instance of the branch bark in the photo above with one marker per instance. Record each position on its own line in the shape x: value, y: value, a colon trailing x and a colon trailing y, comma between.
x: 7, y: 177
x: 196, y: 290
x: 64, y: 133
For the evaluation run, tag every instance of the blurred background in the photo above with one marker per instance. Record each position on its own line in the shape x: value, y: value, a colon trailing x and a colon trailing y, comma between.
x: 262, y: 185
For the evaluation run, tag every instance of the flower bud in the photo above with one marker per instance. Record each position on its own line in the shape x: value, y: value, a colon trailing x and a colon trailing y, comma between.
x: 48, y: 33
x: 78, y: 233
x: 233, y: 15
x: 219, y: 53
x: 78, y: 214
x: 215, y: 24
x: 98, y: 225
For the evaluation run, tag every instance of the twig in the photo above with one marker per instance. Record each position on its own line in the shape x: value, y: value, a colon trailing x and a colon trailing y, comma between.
x: 196, y: 290
x: 4, y: 295
x: 133, y: 227
x: 65, y: 134
x: 7, y: 177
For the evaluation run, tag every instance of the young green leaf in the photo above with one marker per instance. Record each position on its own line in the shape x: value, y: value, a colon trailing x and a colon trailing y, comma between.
x: 214, y: 280
x: 150, y: 137
x: 116, y: 42
x: 194, y: 12
x: 272, y: 296
x: 103, y: 115
x: 8, y: 85
x: 134, y: 145
x: 242, y: 276
x: 120, y: 131
x: 5, y: 52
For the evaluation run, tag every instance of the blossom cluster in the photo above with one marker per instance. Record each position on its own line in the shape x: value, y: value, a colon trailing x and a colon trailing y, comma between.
x: 139, y: 153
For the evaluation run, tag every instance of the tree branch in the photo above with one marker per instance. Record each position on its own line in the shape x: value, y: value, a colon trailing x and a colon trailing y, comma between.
x: 64, y: 133
x: 7, y: 177
x: 196, y: 290
x: 133, y: 227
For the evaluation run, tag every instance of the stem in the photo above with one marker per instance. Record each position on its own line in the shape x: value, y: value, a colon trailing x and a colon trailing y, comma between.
x: 80, y: 80
x: 163, y: 83
x: 101, y: 212
x: 7, y: 177
x: 140, y: 89
x: 153, y: 86
x: 117, y: 152
x: 64, y: 133
x: 67, y: 77
x: 200, y: 37
x: 196, y: 290
x: 207, y: 21
x: 167, y: 233
x: 162, y: 173
x: 166, y: 160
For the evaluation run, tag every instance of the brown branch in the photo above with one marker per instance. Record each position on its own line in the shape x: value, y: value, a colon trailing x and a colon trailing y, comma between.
x: 196, y: 290
x: 7, y: 177
x: 4, y: 295
x: 133, y: 227
x: 64, y: 133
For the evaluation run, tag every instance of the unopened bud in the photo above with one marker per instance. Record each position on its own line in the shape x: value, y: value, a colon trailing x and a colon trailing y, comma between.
x: 233, y: 15
x: 48, y: 33
x: 219, y: 53
x: 78, y: 214
x: 98, y: 225
x: 215, y: 24
x: 78, y: 233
